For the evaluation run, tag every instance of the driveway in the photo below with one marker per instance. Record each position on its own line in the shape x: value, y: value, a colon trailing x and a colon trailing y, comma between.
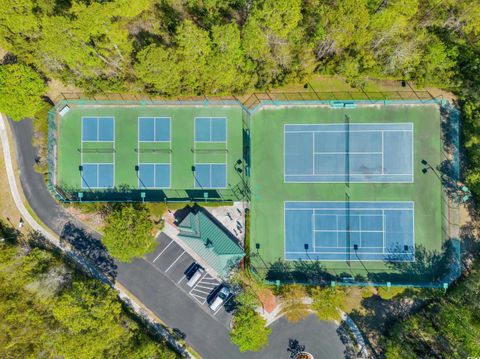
x: 155, y: 286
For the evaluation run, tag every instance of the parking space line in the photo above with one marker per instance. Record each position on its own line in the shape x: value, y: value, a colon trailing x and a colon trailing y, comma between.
x: 201, y: 291
x: 175, y: 261
x: 181, y: 279
x: 212, y: 280
x: 164, y: 249
x: 201, y: 300
x: 206, y: 287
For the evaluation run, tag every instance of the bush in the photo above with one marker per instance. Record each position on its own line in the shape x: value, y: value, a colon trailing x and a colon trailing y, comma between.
x: 128, y: 232
x: 326, y: 301
x: 249, y: 330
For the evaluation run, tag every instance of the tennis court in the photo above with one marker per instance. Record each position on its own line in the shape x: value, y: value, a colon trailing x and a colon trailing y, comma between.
x: 346, y: 189
x: 349, y: 231
x: 177, y: 151
x: 357, y: 152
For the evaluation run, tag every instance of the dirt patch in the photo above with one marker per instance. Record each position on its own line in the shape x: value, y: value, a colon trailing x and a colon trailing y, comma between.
x: 268, y: 299
x: 93, y: 220
x: 56, y: 88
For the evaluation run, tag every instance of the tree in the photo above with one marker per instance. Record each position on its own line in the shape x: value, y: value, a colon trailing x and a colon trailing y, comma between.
x: 249, y: 330
x: 294, y: 307
x: 79, y: 318
x: 445, y: 328
x: 326, y: 302
x: 226, y: 61
x: 21, y: 89
x: 193, y: 50
x: 158, y: 70
x: 91, y: 314
x: 128, y: 232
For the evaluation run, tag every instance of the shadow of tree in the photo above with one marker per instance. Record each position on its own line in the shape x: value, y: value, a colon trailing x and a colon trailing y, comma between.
x: 470, y: 244
x: 8, y: 233
x: 430, y: 268
x: 90, y: 247
x: 311, y: 272
x: 450, y: 165
x: 378, y: 315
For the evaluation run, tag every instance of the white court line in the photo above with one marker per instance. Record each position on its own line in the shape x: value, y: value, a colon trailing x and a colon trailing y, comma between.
x: 350, y: 230
x: 383, y: 154
x: 313, y: 153
x: 343, y: 131
x: 342, y: 209
x: 313, y: 228
x: 175, y: 261
x: 384, y: 226
x: 346, y: 153
x: 164, y: 249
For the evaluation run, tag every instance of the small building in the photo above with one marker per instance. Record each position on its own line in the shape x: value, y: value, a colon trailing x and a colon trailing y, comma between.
x: 209, y: 239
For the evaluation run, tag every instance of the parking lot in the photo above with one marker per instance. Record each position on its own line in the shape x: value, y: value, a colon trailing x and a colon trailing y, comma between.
x: 173, y: 261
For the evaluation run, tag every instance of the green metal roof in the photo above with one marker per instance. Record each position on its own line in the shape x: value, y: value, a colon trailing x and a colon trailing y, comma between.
x: 210, y: 241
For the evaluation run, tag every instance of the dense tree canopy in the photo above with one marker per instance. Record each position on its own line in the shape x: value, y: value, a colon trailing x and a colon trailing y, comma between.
x: 49, y: 311
x: 447, y: 328
x: 192, y: 47
x: 128, y: 232
x: 21, y: 90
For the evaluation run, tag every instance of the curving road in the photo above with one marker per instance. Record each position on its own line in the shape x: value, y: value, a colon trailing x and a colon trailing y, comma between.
x: 157, y: 292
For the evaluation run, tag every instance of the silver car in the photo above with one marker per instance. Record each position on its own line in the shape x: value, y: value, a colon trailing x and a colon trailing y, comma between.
x: 220, y: 298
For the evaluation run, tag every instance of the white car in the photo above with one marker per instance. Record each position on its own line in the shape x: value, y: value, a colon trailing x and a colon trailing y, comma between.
x: 220, y: 298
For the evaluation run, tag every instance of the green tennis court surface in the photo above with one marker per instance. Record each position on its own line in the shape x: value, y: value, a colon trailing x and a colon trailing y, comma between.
x: 312, y: 165
x: 335, y: 192
x: 167, y: 152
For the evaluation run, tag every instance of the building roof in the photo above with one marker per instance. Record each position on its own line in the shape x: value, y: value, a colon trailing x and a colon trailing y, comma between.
x: 210, y: 240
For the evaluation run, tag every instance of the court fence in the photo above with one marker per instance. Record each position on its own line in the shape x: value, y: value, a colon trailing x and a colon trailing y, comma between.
x: 338, y: 99
x: 299, y: 272
x: 430, y: 270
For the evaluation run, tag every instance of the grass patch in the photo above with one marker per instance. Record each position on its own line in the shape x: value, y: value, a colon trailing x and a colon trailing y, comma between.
x: 40, y: 140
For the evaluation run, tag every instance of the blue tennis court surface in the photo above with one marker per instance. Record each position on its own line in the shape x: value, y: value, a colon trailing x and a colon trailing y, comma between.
x: 210, y: 129
x: 97, y: 175
x: 97, y: 129
x: 154, y: 175
x: 210, y: 175
x: 154, y: 129
x: 349, y: 231
x: 354, y: 152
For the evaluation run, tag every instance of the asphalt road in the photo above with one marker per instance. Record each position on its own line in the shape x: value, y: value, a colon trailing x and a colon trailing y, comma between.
x: 159, y: 293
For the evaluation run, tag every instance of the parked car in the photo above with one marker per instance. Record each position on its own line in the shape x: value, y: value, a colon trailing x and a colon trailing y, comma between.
x: 220, y: 298
x: 193, y: 273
